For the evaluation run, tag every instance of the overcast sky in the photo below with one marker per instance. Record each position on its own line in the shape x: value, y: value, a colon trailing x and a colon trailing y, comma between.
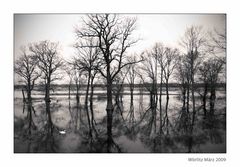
x: 151, y: 28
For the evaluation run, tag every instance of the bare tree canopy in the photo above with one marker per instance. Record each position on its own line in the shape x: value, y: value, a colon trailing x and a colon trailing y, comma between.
x: 218, y: 41
x: 26, y: 67
x: 194, y: 39
x: 112, y: 34
x: 48, y: 59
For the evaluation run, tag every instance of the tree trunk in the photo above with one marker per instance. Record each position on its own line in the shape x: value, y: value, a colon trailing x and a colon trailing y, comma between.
x: 166, y: 107
x: 47, y: 90
x: 109, y: 108
x: 184, y: 114
x: 131, y: 94
x: 193, y: 103
x: 47, y: 102
x: 212, y: 100
x: 77, y: 92
x: 132, y: 109
x: 153, y: 109
x: 86, y: 104
x: 193, y: 115
x: 188, y: 98
x: 29, y: 96
x: 24, y: 99
x: 78, y: 119
x: 30, y: 118
x: 155, y: 106
x: 49, y: 124
x: 140, y: 98
x: 91, y: 105
x: 204, y: 100
x: 29, y: 91
x: 184, y: 95
x: 160, y: 102
x: 69, y: 89
x: 131, y: 103
x: 156, y: 97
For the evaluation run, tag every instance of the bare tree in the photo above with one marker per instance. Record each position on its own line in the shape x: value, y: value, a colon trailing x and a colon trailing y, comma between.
x: 77, y: 77
x: 209, y: 75
x: 215, y: 68
x: 131, y: 77
x: 87, y: 62
x: 78, y: 81
x: 217, y: 45
x: 169, y: 64
x: 118, y: 90
x: 49, y: 62
x: 204, y: 77
x: 113, y: 39
x: 217, y: 64
x: 182, y: 76
x: 93, y: 76
x: 149, y: 74
x: 194, y: 43
x: 159, y: 52
x: 26, y: 68
x: 70, y: 72
x: 217, y: 42
x: 165, y: 58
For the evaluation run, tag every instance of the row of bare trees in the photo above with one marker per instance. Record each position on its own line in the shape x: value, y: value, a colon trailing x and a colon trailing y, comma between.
x: 101, y: 43
x: 39, y: 61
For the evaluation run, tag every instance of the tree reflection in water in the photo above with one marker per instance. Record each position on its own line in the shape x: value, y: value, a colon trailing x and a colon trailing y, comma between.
x: 62, y: 126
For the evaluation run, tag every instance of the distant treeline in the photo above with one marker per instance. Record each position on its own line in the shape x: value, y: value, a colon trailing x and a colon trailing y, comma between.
x: 103, y: 86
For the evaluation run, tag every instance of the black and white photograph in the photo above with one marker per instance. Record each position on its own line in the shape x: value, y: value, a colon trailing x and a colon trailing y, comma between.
x: 119, y: 83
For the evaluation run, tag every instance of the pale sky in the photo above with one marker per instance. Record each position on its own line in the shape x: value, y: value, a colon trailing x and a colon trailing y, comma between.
x: 151, y: 28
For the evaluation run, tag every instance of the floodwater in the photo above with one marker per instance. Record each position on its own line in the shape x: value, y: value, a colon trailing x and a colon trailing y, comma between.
x: 70, y: 125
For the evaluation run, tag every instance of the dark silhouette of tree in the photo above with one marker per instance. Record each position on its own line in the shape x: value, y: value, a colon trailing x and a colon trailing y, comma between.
x: 194, y: 43
x: 49, y: 62
x: 149, y: 75
x: 86, y: 61
x: 118, y: 90
x: 169, y: 64
x: 217, y: 41
x: 182, y: 76
x: 70, y: 72
x: 216, y: 64
x: 217, y: 45
x: 165, y: 58
x: 26, y: 68
x: 204, y: 78
x: 31, y: 125
x: 215, y: 67
x: 78, y: 81
x: 93, y: 76
x: 131, y: 77
x: 209, y: 76
x: 77, y: 77
x: 113, y: 39
x: 159, y: 52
